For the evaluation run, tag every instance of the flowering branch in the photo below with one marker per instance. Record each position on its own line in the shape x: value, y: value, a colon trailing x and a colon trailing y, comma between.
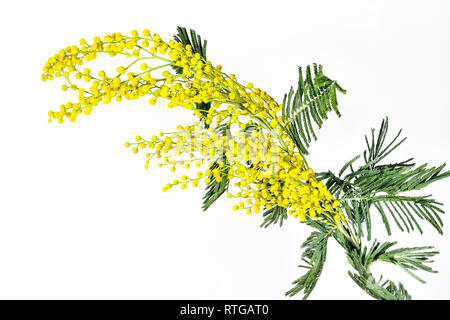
x: 251, y: 148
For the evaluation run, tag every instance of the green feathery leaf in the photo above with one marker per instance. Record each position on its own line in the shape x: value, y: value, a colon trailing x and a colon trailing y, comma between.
x: 384, y: 185
x: 409, y: 259
x: 215, y: 188
x: 313, y: 257
x: 274, y: 215
x: 314, y: 98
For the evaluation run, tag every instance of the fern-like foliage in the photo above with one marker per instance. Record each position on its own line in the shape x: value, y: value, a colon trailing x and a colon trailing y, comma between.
x: 409, y: 259
x: 195, y: 41
x: 385, y: 187
x: 382, y: 188
x: 313, y: 99
x: 215, y: 188
x: 274, y: 215
x: 313, y: 257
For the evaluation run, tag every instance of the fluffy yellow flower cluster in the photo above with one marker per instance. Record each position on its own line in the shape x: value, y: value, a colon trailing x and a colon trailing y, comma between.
x: 255, y: 153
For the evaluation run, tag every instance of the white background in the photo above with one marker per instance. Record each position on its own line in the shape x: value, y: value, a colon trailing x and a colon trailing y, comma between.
x: 81, y: 218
